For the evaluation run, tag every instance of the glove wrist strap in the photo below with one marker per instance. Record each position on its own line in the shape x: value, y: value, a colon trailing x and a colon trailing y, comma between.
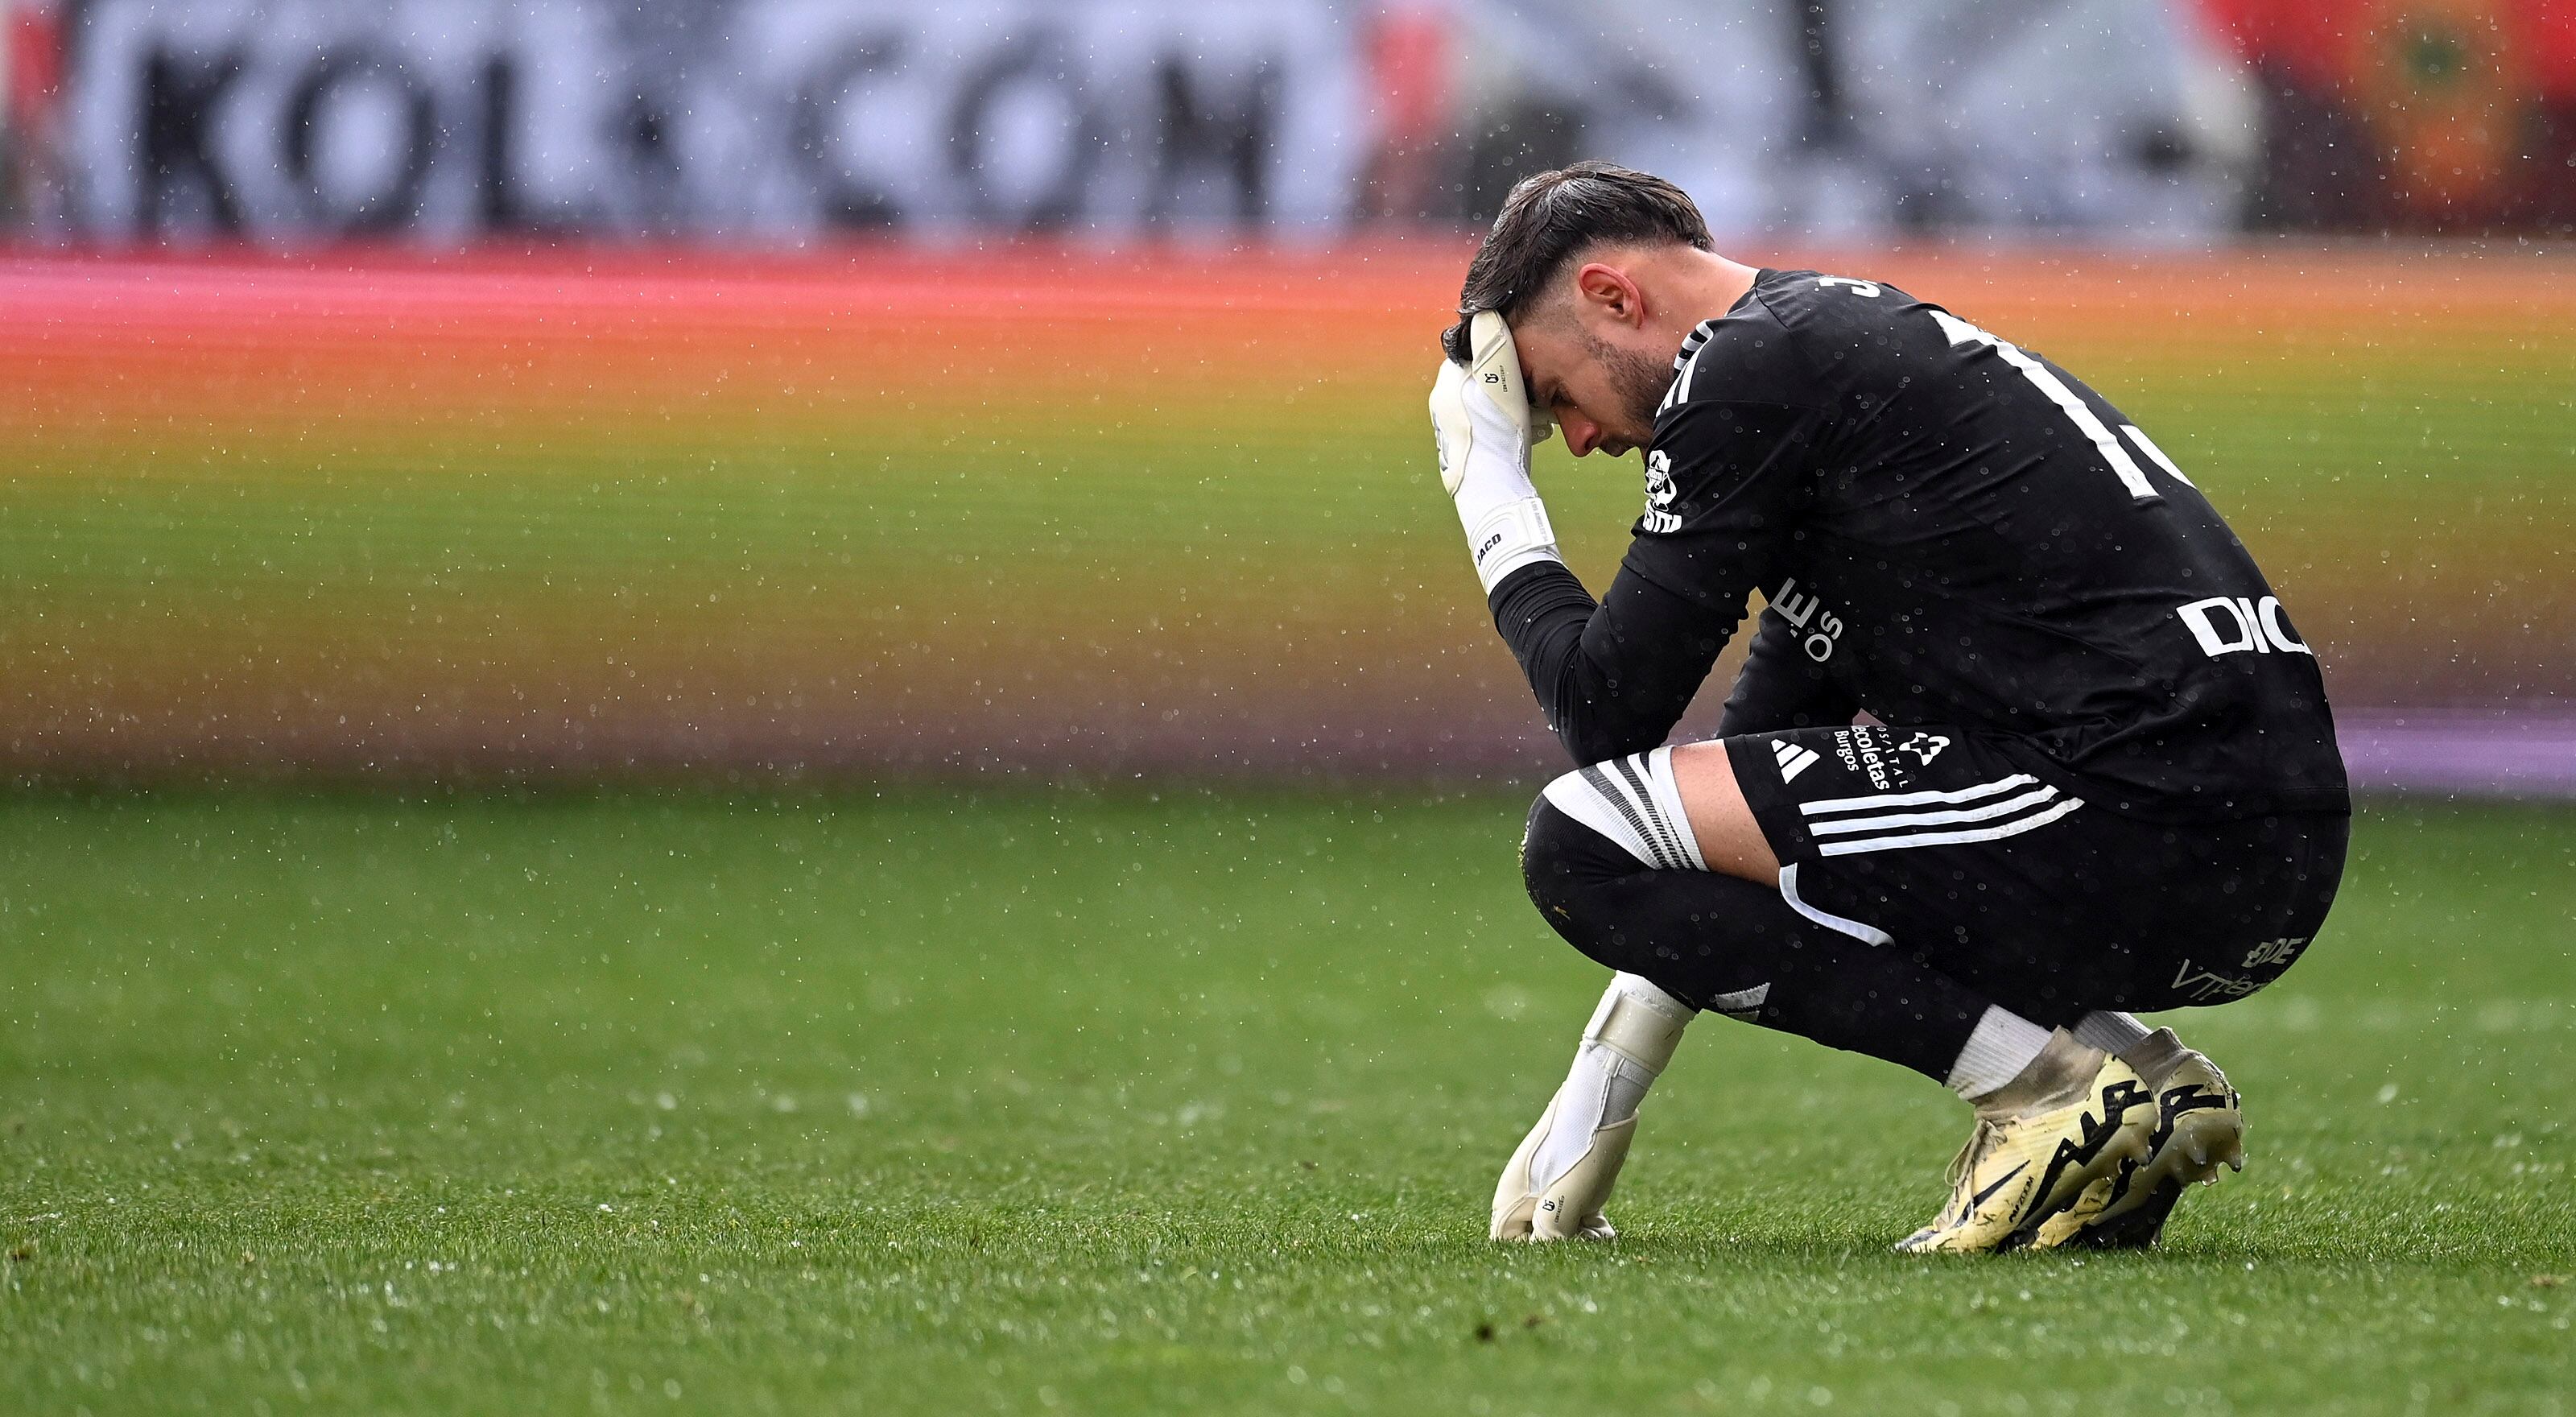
x: 1507, y: 536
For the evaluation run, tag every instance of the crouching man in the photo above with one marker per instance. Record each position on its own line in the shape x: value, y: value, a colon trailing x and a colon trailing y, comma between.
x: 2024, y: 742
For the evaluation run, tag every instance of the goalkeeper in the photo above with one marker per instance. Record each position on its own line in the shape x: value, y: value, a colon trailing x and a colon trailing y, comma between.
x: 2024, y: 741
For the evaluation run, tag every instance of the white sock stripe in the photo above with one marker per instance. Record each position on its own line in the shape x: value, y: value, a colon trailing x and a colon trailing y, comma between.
x: 1620, y: 802
x: 1995, y: 833
x: 1634, y: 789
x: 1914, y: 799
x: 1660, y: 812
x: 1635, y: 803
x: 1866, y: 934
x: 1841, y: 825
x: 1668, y: 796
x: 1579, y: 799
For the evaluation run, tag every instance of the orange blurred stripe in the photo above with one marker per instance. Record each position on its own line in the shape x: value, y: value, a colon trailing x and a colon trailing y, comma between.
x: 105, y: 348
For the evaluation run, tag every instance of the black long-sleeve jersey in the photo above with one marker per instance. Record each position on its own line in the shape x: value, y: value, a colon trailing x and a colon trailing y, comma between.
x: 1948, y: 530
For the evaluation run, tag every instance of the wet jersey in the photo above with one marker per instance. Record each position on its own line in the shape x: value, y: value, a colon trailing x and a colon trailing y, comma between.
x: 1947, y: 529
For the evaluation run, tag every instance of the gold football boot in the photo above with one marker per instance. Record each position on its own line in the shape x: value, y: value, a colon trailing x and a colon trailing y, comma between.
x: 2040, y: 1144
x: 2200, y: 1126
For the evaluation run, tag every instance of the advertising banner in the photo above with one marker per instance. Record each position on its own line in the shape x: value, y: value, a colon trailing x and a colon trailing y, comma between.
x: 782, y: 118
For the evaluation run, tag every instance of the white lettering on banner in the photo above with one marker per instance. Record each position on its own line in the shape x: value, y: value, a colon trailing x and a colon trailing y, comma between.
x: 2256, y: 626
x: 778, y: 118
x: 448, y: 117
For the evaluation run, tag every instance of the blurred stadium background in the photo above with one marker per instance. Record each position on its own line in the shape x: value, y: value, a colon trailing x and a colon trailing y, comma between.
x: 438, y: 390
x: 972, y: 455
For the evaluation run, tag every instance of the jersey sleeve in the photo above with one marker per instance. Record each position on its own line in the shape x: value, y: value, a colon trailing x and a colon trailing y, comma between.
x: 1780, y: 688
x: 1613, y: 677
x: 1724, y: 482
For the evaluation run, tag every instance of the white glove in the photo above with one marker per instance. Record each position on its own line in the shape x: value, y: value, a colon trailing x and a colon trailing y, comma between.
x: 1557, y: 1182
x: 1569, y: 1207
x: 1482, y: 418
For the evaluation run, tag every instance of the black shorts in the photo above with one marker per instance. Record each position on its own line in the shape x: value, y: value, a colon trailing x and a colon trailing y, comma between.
x: 1977, y: 853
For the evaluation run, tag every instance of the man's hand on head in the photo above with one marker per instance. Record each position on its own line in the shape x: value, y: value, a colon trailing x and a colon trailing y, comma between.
x: 1481, y: 416
x: 1483, y: 341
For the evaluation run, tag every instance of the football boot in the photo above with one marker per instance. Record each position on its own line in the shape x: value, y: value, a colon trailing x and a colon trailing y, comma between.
x: 2024, y: 1165
x: 2200, y: 1126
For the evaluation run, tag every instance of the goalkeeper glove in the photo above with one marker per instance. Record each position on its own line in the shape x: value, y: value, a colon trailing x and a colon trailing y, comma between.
x: 1482, y: 418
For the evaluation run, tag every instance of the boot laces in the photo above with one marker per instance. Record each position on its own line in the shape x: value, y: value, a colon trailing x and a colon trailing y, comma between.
x: 1964, y: 1165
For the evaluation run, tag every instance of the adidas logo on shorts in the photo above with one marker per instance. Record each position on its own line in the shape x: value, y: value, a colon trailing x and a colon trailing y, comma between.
x: 1792, y: 758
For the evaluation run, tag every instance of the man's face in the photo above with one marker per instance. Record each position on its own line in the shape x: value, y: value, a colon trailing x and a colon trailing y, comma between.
x: 1601, y: 386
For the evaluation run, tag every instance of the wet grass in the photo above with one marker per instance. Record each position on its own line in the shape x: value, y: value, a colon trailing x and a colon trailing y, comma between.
x: 1172, y: 1102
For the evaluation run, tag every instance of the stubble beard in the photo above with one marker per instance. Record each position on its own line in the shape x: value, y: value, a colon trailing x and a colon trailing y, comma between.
x: 1639, y: 382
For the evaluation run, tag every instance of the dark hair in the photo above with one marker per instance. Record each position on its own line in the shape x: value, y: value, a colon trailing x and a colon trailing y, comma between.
x: 1550, y: 216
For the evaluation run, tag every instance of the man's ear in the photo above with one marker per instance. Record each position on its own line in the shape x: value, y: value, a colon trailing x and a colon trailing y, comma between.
x: 1607, y: 290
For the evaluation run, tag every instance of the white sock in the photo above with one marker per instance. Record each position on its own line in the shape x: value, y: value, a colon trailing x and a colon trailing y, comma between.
x: 1635, y: 802
x: 2003, y: 1044
x: 2110, y: 1032
x: 1624, y: 1049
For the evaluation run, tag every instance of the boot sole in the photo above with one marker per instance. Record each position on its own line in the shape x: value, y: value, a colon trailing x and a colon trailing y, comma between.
x: 2201, y: 1143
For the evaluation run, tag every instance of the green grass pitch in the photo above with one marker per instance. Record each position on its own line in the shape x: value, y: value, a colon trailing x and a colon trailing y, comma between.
x: 961, y: 1103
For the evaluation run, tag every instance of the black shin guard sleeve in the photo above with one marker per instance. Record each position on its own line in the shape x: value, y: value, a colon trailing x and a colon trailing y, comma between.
x: 1715, y: 941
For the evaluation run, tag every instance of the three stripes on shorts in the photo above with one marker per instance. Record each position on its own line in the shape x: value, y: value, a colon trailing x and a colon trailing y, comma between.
x: 1888, y: 821
x: 1635, y: 802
